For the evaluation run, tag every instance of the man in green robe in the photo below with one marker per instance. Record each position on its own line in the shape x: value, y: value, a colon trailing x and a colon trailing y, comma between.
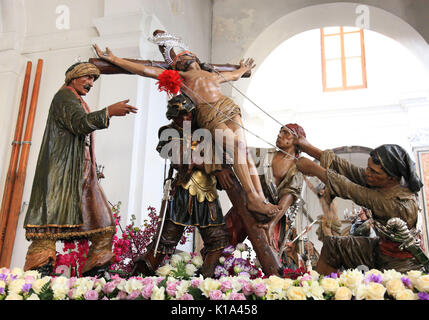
x: 66, y: 201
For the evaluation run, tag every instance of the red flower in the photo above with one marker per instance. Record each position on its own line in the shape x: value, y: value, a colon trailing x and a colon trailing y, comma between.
x: 169, y: 81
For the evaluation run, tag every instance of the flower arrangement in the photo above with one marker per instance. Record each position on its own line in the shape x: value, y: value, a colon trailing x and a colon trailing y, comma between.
x: 183, y: 265
x: 73, y: 258
x: 235, y: 260
x: 351, y: 284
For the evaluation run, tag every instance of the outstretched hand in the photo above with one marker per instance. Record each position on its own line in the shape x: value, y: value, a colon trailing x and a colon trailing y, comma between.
x: 121, y: 108
x: 107, y: 55
x: 247, y: 64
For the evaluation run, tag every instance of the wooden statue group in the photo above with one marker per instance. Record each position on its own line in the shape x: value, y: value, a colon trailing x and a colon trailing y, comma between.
x: 67, y: 202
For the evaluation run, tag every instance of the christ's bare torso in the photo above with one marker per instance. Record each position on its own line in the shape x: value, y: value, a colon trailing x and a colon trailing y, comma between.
x: 201, y: 86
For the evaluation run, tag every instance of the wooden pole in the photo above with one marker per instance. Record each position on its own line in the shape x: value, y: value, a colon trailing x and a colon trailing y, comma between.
x: 13, y: 163
x: 15, y: 207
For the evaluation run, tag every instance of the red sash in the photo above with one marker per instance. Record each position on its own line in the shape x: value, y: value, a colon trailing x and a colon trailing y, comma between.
x: 391, y: 249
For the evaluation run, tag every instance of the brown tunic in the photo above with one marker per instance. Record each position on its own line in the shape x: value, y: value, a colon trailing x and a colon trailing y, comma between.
x: 348, y: 181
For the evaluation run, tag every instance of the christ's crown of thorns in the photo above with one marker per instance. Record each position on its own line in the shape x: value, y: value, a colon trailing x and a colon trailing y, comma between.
x: 169, y: 41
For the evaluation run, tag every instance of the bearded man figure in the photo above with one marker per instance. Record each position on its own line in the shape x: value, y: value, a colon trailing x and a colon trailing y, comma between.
x: 66, y: 201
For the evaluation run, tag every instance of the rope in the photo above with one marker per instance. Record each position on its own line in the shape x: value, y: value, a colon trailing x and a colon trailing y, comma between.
x: 229, y: 118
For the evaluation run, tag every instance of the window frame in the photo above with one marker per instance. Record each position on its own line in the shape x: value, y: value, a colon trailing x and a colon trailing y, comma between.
x: 343, y: 58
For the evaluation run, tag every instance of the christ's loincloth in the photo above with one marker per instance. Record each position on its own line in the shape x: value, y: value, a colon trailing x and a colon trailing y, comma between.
x: 210, y: 116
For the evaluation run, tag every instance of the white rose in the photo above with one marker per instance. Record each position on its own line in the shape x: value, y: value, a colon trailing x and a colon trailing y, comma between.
x: 208, y: 285
x: 359, y: 292
x: 182, y: 288
x: 132, y: 285
x: 422, y: 283
x: 314, y: 275
x: 241, y: 247
x: 197, y: 261
x: 33, y: 273
x: 38, y: 284
x: 343, y: 293
x: 273, y: 283
x: 296, y: 293
x: 60, y: 287
x: 17, y: 272
x: 330, y: 285
x: 391, y: 274
x: 185, y: 256
x: 406, y: 294
x: 14, y: 296
x: 158, y: 293
x: 175, y: 259
x: 375, y: 291
x: 414, y: 275
x: 33, y: 297
x: 16, y: 286
x: 394, y: 286
x: 313, y: 290
x: 237, y: 254
x: 190, y: 269
x: 164, y: 270
x: 351, y: 279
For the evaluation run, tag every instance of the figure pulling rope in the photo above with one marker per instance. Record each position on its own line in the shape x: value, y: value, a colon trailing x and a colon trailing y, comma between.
x: 214, y: 110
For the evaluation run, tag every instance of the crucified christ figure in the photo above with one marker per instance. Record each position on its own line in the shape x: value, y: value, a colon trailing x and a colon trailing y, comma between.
x: 214, y: 112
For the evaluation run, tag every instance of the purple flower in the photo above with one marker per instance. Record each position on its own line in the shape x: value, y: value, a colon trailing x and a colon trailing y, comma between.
x: 3, y: 277
x: 407, y: 282
x: 228, y: 250
x: 423, y: 296
x: 187, y: 296
x: 373, y: 278
x: 1, y: 290
x: 215, y: 295
x: 229, y: 262
x: 219, y: 272
x: 26, y: 287
x: 13, y: 277
x: 91, y: 295
x: 333, y: 275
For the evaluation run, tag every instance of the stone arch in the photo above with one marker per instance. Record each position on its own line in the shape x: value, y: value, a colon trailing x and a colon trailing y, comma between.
x: 334, y: 14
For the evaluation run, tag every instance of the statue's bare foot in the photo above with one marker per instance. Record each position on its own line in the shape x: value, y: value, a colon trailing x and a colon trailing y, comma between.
x: 257, y: 204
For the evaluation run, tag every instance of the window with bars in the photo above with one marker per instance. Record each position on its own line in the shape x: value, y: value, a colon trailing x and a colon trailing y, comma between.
x: 343, y: 59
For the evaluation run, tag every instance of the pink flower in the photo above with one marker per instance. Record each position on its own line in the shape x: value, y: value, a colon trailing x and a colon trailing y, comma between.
x: 122, y: 295
x: 147, y: 281
x: 171, y: 289
x: 91, y: 295
x: 159, y: 280
x: 70, y: 294
x: 225, y: 286
x: 109, y: 287
x: 133, y: 295
x: 147, y: 291
x: 237, y: 296
x: 247, y: 289
x: 195, y: 283
x: 72, y: 280
x: 186, y: 296
x: 29, y: 279
x: 260, y: 289
x: 215, y: 295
